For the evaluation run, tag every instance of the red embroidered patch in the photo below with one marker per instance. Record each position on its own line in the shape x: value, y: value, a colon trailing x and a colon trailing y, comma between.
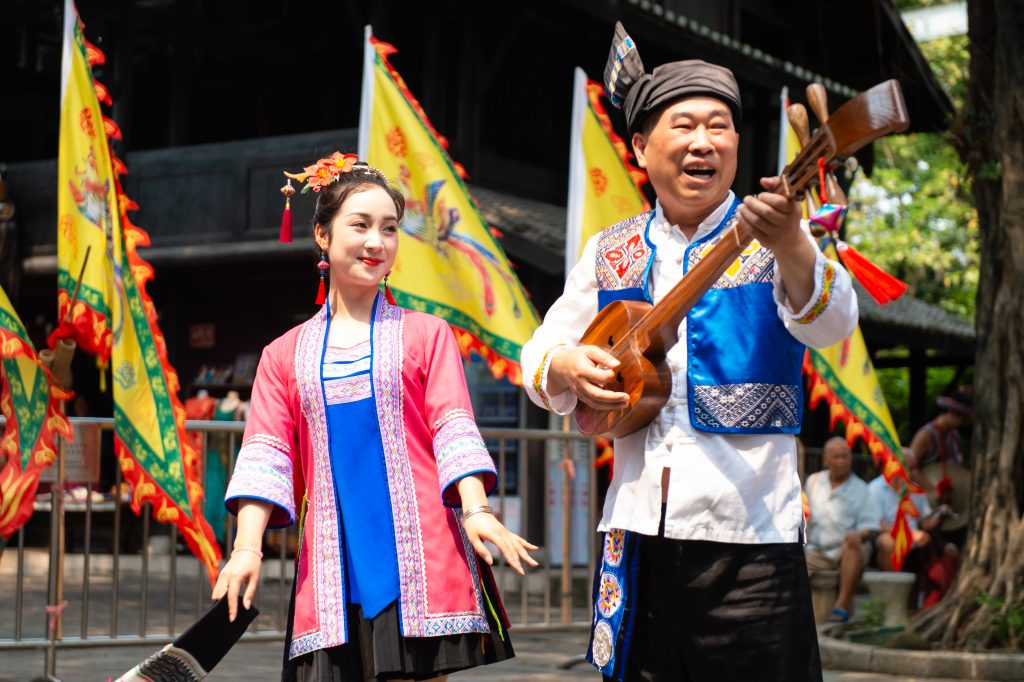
x: 621, y: 258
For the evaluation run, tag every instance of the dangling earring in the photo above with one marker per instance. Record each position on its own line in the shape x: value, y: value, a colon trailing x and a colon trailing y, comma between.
x: 286, y: 217
x: 388, y: 296
x: 323, y: 266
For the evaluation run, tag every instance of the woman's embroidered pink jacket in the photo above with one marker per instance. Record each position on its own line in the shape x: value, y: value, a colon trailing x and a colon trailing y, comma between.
x: 430, y: 441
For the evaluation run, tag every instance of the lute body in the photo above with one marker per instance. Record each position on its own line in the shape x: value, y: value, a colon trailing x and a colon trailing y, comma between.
x: 640, y: 335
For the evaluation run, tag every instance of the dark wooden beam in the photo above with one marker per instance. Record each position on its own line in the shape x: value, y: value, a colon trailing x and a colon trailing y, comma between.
x: 943, y: 360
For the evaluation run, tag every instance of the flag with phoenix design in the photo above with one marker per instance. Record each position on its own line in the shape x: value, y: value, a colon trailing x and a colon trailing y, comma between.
x: 30, y: 400
x: 449, y: 262
x: 844, y: 377
x: 114, y: 317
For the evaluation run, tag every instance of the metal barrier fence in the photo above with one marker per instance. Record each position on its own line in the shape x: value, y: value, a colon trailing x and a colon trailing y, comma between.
x: 145, y: 587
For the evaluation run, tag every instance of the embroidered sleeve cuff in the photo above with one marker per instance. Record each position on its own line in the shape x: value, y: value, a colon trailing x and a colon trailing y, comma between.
x: 824, y: 283
x: 263, y: 472
x: 460, y: 452
x: 559, y: 403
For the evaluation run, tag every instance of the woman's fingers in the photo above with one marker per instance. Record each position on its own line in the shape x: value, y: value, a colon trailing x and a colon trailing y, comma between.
x: 481, y: 549
x: 221, y: 588
x: 234, y: 585
x: 512, y: 547
x: 250, y: 592
x: 521, y: 546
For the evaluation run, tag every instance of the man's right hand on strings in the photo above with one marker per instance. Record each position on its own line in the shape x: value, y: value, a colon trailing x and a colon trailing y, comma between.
x: 586, y: 370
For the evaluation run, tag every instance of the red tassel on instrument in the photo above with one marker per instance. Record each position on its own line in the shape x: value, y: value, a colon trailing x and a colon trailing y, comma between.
x: 882, y: 286
x: 286, y: 223
x: 321, y: 293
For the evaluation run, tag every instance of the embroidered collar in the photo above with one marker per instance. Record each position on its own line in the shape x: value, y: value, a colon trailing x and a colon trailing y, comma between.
x: 708, y: 225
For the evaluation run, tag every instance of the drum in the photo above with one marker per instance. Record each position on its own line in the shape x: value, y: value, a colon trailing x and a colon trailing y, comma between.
x: 960, y: 495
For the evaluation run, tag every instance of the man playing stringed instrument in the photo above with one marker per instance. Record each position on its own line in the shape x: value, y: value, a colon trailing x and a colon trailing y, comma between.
x: 702, y: 575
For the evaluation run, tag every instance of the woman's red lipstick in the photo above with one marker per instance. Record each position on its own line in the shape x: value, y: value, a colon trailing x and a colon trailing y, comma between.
x: 371, y: 261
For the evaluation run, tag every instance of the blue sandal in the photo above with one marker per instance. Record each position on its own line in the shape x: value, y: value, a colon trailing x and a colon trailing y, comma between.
x: 839, y: 615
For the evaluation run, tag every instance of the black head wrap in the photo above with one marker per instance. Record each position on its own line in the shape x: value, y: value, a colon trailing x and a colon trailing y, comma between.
x: 638, y: 93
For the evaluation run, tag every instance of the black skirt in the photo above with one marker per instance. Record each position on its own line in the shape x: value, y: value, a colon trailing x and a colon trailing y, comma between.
x: 377, y: 651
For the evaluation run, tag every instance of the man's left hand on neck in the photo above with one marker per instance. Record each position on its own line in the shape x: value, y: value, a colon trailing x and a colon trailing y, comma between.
x: 775, y: 223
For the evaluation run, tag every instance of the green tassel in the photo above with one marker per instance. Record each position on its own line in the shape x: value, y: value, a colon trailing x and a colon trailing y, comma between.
x: 490, y: 607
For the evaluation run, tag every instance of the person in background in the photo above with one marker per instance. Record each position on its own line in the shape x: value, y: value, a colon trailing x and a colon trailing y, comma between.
x: 843, y: 518
x: 939, y: 440
x: 930, y: 556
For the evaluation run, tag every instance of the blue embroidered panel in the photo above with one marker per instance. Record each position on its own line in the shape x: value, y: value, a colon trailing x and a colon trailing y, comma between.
x: 737, y: 344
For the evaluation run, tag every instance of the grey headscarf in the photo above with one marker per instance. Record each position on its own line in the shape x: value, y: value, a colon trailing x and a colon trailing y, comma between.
x: 638, y: 93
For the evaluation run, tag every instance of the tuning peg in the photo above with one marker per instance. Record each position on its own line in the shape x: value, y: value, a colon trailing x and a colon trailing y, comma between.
x: 817, y: 97
x: 797, y: 115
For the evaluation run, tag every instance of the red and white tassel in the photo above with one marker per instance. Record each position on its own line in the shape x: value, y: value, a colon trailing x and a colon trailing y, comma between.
x: 323, y: 266
x: 882, y: 286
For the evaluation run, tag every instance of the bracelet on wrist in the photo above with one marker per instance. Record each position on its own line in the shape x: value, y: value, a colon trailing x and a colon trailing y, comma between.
x: 482, y: 509
x: 254, y: 550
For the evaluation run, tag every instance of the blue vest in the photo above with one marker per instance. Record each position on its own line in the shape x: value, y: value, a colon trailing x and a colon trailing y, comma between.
x: 743, y: 366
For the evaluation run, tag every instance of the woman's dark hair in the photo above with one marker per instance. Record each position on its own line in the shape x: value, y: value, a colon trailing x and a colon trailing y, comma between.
x: 360, y: 178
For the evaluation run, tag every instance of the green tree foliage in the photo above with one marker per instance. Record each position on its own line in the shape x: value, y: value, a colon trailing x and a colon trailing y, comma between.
x: 914, y: 216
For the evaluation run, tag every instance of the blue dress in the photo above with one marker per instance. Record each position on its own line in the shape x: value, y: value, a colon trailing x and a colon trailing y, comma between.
x: 360, y: 479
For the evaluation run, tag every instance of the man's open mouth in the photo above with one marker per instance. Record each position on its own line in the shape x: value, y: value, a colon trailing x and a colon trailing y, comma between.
x: 700, y: 172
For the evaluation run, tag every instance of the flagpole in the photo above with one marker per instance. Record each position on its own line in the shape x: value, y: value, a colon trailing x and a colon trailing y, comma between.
x: 366, y: 100
x: 573, y: 233
x: 783, y: 127
x: 577, y: 172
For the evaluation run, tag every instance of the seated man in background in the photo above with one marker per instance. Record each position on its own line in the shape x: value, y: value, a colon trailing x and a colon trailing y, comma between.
x: 842, y: 518
x: 930, y: 556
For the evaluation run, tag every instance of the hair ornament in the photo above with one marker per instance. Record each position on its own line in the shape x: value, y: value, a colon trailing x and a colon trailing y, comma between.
x: 320, y: 175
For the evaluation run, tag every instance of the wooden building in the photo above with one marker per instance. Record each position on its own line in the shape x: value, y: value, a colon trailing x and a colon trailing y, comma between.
x: 216, y: 98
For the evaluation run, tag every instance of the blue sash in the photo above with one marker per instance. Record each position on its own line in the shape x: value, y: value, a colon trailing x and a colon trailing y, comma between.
x: 614, y: 593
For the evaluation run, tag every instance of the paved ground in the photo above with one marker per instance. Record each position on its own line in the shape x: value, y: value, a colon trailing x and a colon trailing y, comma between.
x: 148, y: 605
x: 537, y: 660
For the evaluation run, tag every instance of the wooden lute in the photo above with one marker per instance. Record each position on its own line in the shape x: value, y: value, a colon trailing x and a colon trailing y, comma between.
x: 640, y: 335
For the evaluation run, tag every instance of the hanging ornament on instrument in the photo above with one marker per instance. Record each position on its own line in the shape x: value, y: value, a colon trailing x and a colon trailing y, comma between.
x: 828, y: 218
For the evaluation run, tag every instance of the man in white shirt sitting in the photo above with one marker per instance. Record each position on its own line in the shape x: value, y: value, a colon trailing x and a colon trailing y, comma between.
x: 843, y: 517
x: 702, y: 575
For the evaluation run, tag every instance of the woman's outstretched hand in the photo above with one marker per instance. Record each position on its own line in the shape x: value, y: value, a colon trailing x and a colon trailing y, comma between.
x: 484, y: 527
x: 243, y: 568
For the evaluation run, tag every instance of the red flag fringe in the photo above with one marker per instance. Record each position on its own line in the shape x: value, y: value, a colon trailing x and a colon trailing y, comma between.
x: 195, y: 529
x: 18, y: 486
x: 468, y: 342
x: 638, y: 175
x: 891, y: 463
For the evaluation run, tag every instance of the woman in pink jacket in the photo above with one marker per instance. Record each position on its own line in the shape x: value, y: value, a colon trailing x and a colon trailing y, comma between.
x: 361, y: 429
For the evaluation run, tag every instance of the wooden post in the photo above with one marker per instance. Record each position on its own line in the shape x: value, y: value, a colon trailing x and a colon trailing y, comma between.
x: 566, y: 528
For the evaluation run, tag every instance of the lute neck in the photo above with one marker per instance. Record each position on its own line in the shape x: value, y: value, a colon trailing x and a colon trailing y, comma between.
x: 657, y: 329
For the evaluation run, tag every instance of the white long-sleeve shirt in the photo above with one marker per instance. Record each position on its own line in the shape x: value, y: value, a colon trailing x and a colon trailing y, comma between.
x: 723, y: 487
